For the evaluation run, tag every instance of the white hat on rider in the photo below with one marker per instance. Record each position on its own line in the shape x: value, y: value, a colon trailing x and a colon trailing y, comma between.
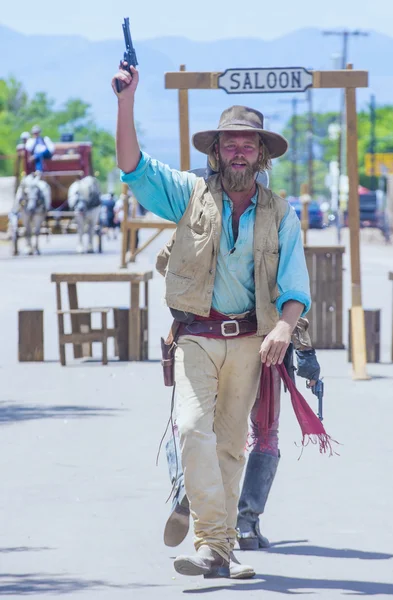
x: 36, y: 129
x: 24, y: 135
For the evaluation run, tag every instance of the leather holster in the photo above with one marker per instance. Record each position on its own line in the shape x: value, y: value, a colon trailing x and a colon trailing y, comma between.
x: 168, y: 348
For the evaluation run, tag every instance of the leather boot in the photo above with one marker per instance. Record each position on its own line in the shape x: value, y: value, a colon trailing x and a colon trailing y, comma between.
x: 260, y: 473
x: 206, y: 562
x: 178, y: 523
x: 239, y: 571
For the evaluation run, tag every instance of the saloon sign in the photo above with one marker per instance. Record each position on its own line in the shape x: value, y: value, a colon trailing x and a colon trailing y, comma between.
x: 256, y: 81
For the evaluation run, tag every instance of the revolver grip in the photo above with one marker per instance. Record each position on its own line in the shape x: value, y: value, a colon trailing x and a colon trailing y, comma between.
x: 119, y: 86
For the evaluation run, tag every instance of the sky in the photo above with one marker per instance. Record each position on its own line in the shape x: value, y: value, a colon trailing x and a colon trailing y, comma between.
x: 198, y: 20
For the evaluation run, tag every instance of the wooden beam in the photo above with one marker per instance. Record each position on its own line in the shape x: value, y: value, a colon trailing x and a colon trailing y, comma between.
x: 101, y: 277
x: 144, y: 223
x: 124, y: 195
x: 184, y: 127
x: 188, y: 80
x: 340, y: 79
x: 358, y: 330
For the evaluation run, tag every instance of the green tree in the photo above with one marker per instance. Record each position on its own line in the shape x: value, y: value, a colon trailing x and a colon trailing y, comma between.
x: 324, y: 150
x: 383, y: 135
x: 19, y: 113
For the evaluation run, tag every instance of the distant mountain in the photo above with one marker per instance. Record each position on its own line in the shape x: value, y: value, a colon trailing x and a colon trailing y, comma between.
x: 72, y: 66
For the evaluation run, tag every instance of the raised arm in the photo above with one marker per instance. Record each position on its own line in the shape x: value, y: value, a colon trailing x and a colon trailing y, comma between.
x: 161, y: 190
x: 127, y: 146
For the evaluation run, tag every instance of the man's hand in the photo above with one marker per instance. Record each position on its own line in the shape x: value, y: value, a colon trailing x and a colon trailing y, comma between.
x: 275, y: 344
x: 128, y: 151
x: 129, y: 81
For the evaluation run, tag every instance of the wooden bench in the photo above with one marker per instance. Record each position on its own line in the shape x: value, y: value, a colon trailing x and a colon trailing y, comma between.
x: 92, y: 335
x: 135, y: 343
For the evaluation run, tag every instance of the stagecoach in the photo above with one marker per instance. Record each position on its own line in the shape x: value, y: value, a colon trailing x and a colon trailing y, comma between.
x: 70, y: 161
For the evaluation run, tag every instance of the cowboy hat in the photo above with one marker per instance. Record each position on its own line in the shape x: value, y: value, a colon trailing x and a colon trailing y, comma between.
x: 239, y: 119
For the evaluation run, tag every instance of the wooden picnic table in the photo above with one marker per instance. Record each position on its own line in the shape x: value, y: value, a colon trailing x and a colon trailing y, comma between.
x: 134, y: 322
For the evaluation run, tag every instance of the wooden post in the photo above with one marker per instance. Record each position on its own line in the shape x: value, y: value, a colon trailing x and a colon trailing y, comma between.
x: 134, y: 325
x: 305, y: 199
x: 122, y: 319
x: 124, y: 230
x: 133, y: 235
x: 184, y: 128
x: 31, y: 336
x: 60, y: 322
x: 358, y: 331
x: 391, y: 279
x: 75, y: 322
x: 104, y: 317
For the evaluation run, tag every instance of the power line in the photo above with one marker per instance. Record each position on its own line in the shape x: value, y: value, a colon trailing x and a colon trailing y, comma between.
x: 294, y: 145
x: 345, y: 34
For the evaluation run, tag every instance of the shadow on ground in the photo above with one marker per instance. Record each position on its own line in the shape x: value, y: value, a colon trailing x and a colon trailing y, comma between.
x: 294, y: 585
x: 24, y: 549
x: 13, y: 413
x: 327, y: 552
x: 27, y: 584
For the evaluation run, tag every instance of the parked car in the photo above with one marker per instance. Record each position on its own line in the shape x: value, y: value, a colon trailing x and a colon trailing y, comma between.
x: 371, y: 211
x: 315, y: 214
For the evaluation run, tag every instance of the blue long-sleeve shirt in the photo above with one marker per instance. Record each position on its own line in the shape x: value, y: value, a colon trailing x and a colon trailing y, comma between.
x: 166, y: 193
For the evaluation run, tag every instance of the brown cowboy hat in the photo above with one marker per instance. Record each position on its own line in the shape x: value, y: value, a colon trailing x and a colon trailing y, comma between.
x: 241, y: 118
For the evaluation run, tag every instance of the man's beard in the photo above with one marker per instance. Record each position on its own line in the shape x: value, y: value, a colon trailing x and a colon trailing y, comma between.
x: 238, y: 181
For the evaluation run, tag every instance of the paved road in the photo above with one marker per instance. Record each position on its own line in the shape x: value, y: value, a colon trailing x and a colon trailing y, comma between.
x: 83, y: 504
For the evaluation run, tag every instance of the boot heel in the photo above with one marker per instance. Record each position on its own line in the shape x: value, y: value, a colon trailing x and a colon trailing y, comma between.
x: 218, y: 572
x: 251, y: 543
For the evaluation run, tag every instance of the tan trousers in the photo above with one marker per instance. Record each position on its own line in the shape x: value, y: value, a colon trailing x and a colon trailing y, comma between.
x: 216, y: 383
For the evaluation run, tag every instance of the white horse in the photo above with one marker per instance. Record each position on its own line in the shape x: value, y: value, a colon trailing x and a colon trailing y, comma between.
x: 84, y: 198
x: 32, y: 201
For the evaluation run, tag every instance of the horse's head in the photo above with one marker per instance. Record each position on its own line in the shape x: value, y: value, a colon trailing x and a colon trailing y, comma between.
x: 32, y: 197
x: 80, y: 204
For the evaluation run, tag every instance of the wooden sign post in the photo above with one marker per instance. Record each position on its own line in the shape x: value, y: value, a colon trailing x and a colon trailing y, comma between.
x: 284, y: 80
x: 124, y: 230
x: 184, y: 124
x: 305, y: 200
x: 358, y: 329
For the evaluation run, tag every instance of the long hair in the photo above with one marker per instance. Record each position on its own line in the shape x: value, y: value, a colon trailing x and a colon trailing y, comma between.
x: 265, y: 162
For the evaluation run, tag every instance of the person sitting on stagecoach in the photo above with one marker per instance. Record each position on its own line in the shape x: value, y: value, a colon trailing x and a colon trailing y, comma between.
x: 40, y: 148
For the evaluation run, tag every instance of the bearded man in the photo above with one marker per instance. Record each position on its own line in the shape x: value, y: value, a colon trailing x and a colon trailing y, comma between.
x: 237, y: 279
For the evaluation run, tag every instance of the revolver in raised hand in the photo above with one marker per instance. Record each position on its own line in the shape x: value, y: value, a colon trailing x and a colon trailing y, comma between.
x: 129, y: 55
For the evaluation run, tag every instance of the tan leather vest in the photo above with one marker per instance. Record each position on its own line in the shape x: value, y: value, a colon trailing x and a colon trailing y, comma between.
x: 189, y: 260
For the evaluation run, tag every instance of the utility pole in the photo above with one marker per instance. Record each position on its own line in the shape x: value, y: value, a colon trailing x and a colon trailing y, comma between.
x: 345, y: 34
x: 293, y: 146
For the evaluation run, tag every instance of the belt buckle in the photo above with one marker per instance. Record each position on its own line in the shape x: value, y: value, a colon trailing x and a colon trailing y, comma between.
x: 232, y: 323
